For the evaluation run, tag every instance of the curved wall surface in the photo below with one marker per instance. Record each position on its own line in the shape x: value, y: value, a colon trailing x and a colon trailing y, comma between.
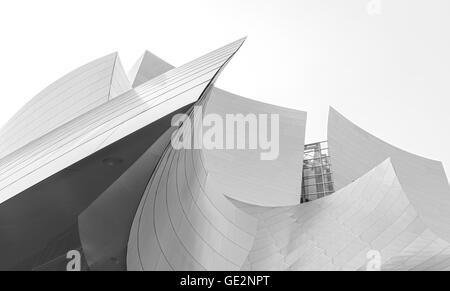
x: 374, y: 210
x: 337, y: 232
x: 185, y: 221
x: 353, y: 152
x: 242, y: 174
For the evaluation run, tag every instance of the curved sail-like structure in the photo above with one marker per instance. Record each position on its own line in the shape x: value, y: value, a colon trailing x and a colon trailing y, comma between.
x: 374, y: 213
x: 71, y: 96
x: 46, y: 183
x: 185, y: 222
x: 107, y: 165
x: 147, y: 67
x: 354, y: 152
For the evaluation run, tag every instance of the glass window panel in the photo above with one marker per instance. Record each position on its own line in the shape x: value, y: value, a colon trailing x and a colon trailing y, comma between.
x: 329, y: 187
x: 317, y: 172
x: 319, y: 179
x: 319, y: 187
x: 328, y: 178
x: 309, y: 182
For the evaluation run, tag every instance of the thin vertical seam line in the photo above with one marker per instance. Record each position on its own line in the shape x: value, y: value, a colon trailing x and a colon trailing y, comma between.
x: 157, y: 172
x: 165, y: 199
x: 144, y: 192
x: 112, y: 76
x: 200, y: 211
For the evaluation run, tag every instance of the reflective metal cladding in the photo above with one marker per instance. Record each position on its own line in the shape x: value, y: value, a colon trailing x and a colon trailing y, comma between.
x: 158, y: 169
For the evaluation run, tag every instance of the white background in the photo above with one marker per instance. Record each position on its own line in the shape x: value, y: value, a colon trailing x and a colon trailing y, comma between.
x: 387, y: 69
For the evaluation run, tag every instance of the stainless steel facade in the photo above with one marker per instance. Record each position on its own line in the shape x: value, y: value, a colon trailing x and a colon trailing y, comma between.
x: 89, y: 165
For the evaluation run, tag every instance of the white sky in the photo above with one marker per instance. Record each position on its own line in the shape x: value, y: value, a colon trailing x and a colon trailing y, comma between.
x: 386, y: 71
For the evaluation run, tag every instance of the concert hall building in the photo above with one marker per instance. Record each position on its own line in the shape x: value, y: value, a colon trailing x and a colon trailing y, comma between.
x: 89, y: 171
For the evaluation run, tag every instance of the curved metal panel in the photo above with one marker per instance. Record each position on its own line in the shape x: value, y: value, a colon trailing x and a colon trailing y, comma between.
x: 242, y: 174
x: 374, y: 212
x: 185, y: 221
x: 338, y: 231
x: 354, y: 151
x: 69, y: 97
